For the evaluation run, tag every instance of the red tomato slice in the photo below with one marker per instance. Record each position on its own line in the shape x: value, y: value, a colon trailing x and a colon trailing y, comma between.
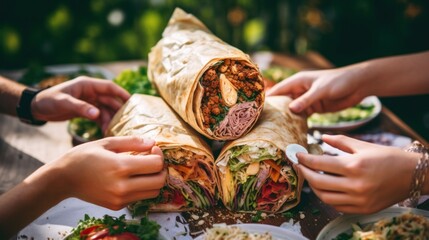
x: 89, y: 230
x: 98, y: 235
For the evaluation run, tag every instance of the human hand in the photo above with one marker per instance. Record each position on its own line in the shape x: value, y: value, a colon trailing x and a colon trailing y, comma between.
x: 370, y: 179
x: 91, y: 98
x: 323, y: 90
x: 104, y: 173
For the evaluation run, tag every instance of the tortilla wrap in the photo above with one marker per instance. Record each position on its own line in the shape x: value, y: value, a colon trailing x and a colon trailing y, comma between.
x: 214, y: 87
x: 253, y: 172
x: 191, y: 179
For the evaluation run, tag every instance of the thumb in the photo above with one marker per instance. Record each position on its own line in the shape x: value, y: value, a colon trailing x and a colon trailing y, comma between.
x: 84, y: 109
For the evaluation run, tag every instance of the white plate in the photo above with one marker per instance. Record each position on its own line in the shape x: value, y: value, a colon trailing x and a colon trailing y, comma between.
x: 278, y: 233
x: 343, y: 224
x: 347, y: 126
x: 57, y: 222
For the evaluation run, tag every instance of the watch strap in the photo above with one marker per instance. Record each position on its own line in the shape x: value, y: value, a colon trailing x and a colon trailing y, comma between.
x: 23, y: 109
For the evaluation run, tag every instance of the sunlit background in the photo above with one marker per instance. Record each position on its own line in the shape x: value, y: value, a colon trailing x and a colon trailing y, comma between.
x: 94, y: 31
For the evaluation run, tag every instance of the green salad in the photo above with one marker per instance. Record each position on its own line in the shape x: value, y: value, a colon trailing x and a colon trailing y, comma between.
x: 110, y: 227
x: 135, y: 81
x: 86, y: 129
x: 355, y: 113
x: 278, y: 73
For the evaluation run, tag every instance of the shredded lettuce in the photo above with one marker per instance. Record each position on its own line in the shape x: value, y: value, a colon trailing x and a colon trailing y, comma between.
x: 136, y: 81
x: 235, y: 165
x: 243, y: 155
x: 237, y: 151
x: 264, y: 155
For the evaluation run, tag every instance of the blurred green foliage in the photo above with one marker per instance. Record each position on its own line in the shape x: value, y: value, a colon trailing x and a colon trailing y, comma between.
x: 66, y: 31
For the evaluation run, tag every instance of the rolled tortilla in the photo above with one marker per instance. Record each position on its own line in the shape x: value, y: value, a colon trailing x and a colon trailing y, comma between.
x: 191, y: 179
x: 213, y: 86
x: 253, y: 172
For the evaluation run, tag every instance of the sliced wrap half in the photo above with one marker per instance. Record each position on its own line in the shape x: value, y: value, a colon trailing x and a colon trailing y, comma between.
x: 191, y: 179
x: 213, y: 86
x: 253, y: 172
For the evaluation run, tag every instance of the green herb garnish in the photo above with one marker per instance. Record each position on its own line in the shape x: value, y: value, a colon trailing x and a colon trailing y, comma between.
x: 145, y: 229
x: 257, y: 217
x: 290, y: 214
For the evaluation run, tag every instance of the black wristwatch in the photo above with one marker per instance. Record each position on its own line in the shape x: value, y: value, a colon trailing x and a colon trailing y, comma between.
x: 23, y: 109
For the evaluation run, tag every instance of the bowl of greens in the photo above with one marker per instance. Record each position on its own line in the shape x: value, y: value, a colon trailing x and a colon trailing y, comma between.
x: 83, y: 130
x: 278, y: 73
x: 275, y: 74
x: 347, y: 119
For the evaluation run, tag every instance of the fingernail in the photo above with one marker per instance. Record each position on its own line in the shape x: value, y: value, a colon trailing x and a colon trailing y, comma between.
x: 148, y: 142
x: 295, y: 106
x: 92, y: 112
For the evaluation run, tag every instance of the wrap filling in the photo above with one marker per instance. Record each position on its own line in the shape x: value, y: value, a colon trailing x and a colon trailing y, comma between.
x: 256, y: 176
x: 189, y: 183
x: 233, y: 96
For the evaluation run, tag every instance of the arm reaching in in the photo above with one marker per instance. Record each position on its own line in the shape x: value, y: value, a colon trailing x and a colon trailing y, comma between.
x: 91, y: 98
x: 100, y: 172
x: 369, y: 179
x: 336, y: 89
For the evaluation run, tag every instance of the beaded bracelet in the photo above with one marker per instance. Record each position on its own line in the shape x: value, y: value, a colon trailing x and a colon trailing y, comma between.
x: 419, y: 175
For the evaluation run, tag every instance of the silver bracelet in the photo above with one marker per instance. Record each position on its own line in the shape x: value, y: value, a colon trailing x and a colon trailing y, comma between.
x: 419, y: 175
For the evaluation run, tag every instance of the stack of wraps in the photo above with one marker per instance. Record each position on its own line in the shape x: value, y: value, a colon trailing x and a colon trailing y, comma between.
x: 213, y: 86
x: 191, y: 179
x: 253, y: 172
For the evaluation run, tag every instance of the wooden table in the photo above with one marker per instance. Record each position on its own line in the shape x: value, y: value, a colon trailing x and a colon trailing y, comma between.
x: 24, y: 148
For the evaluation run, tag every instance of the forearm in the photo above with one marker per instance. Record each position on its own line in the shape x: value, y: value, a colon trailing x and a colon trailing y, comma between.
x: 396, y: 76
x: 10, y: 92
x: 28, y: 200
